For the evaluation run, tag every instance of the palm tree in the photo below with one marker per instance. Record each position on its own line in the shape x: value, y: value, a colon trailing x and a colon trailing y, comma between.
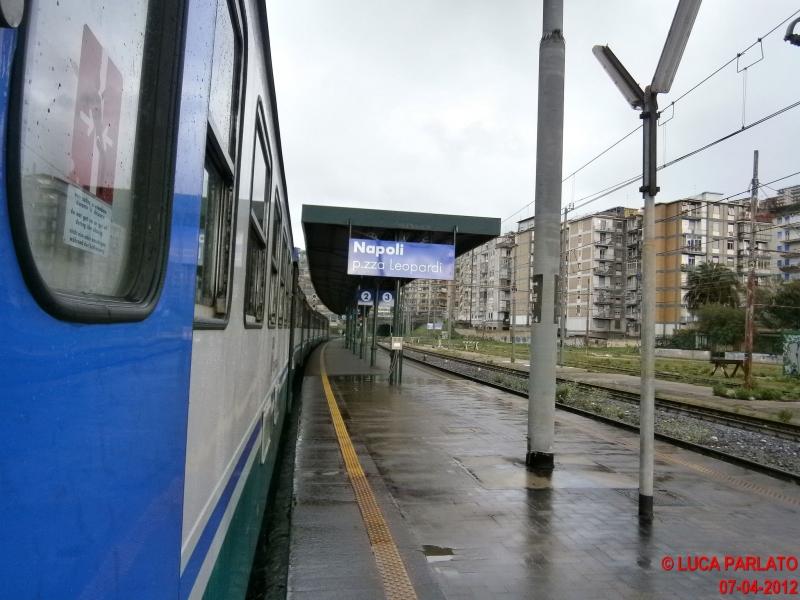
x: 712, y: 283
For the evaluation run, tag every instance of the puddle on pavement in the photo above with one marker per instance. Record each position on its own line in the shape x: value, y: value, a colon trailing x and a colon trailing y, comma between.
x: 437, y: 553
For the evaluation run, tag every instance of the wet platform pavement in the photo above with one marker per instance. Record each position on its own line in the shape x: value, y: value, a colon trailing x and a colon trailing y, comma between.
x: 444, y: 458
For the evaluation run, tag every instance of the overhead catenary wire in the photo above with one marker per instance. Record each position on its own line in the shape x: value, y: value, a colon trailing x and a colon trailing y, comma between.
x: 621, y: 185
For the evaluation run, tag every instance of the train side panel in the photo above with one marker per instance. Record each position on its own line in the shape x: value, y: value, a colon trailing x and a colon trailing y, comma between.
x: 93, y: 417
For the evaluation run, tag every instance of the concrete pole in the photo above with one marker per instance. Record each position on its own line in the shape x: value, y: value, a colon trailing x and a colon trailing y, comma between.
x: 562, y: 278
x: 549, y: 154
x: 751, y: 282
x: 647, y: 402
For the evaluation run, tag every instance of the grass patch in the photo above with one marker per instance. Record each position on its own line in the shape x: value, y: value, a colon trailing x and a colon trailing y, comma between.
x: 785, y: 415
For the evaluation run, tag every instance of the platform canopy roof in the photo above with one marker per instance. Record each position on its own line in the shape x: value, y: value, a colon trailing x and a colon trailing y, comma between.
x: 328, y: 229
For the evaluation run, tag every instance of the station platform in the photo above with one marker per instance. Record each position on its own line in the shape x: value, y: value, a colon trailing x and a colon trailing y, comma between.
x: 444, y: 494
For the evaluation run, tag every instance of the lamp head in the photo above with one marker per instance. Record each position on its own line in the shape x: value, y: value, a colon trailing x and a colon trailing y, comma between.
x: 625, y: 83
x: 678, y: 35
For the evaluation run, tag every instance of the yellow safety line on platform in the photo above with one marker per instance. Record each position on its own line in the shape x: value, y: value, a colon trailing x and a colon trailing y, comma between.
x: 714, y: 473
x: 393, y: 572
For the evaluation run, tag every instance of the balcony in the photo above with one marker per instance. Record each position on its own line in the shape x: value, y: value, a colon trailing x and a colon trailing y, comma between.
x: 632, y: 286
x: 691, y: 211
x: 607, y: 227
x: 633, y: 316
x: 744, y: 233
x: 604, y: 299
x: 693, y: 249
x: 634, y: 266
x: 789, y: 268
x: 603, y: 314
x: 633, y: 298
x: 633, y: 241
x: 603, y: 271
x: 688, y: 267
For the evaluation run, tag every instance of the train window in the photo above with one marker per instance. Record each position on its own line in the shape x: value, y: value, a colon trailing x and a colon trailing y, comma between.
x: 275, y: 264
x: 92, y: 137
x: 256, y: 282
x: 217, y: 205
x: 285, y: 275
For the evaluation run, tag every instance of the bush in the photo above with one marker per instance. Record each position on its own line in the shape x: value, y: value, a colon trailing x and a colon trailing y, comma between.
x: 785, y: 415
x: 564, y: 391
x: 757, y: 393
x: 720, y: 389
x: 768, y: 394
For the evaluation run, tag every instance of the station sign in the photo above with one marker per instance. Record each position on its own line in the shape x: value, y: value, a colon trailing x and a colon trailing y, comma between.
x: 386, y: 299
x: 366, y: 297
x: 381, y: 258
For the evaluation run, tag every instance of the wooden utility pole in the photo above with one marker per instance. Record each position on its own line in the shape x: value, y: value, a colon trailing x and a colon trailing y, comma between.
x: 751, y: 281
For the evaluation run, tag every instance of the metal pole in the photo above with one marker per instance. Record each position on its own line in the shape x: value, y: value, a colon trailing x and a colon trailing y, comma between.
x: 751, y: 281
x: 549, y: 154
x: 348, y: 334
x: 374, y: 350
x: 400, y: 291
x: 588, y: 311
x: 362, y: 349
x: 647, y: 402
x: 562, y: 269
x: 513, y: 290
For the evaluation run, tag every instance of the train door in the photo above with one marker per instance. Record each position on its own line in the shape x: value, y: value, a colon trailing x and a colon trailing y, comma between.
x: 97, y: 297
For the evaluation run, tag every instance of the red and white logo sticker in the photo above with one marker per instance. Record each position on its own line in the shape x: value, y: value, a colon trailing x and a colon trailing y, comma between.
x: 97, y: 117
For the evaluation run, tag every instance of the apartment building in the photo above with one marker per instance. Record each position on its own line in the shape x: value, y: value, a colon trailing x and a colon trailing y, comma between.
x: 426, y: 301
x: 484, y: 284
x: 304, y: 281
x: 785, y: 209
x: 597, y: 269
x: 697, y: 230
x: 603, y: 264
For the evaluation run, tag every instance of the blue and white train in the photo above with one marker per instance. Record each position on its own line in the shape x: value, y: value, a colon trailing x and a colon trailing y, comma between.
x: 153, y: 317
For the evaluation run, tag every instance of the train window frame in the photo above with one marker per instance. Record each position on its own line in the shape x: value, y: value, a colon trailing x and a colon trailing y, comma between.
x: 276, y: 224
x: 284, y: 287
x: 256, y: 263
x: 227, y: 167
x: 153, y: 176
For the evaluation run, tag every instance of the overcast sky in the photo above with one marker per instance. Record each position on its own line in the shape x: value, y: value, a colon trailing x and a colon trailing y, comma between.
x: 430, y: 105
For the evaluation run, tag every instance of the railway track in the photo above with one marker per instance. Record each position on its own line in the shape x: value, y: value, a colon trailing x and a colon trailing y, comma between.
x: 775, y: 428
x: 749, y: 423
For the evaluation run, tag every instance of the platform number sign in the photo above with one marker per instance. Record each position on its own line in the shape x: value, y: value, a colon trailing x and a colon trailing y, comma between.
x: 386, y: 299
x: 366, y: 298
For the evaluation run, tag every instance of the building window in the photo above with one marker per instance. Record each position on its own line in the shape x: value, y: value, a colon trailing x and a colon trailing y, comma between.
x: 780, y: 263
x: 780, y: 234
x: 780, y: 219
x: 730, y: 229
x: 715, y: 245
x: 730, y: 244
x: 715, y: 259
x: 730, y: 261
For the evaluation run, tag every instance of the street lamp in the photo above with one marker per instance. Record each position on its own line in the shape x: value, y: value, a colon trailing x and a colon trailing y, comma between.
x: 646, y: 100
